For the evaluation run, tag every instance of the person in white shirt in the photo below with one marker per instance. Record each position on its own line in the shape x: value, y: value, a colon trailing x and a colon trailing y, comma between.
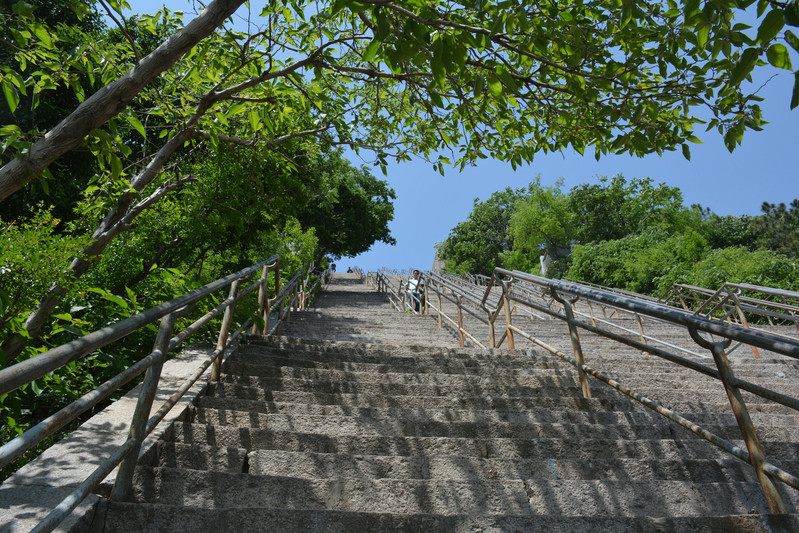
x: 415, y: 287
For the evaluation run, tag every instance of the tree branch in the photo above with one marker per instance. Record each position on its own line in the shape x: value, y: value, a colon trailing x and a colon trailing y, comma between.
x: 110, y: 100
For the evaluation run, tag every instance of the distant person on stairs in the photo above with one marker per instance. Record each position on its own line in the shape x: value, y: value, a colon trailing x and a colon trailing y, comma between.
x: 415, y: 286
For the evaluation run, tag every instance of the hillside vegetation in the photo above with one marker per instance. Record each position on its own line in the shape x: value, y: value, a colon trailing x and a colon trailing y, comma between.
x: 633, y: 235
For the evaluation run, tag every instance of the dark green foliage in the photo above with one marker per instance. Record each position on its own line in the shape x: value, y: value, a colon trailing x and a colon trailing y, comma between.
x: 646, y: 262
x: 738, y: 265
x: 33, y: 256
x: 778, y: 228
x: 477, y: 245
x: 351, y: 212
x: 633, y: 235
x: 725, y: 231
x: 78, y: 20
x: 612, y: 209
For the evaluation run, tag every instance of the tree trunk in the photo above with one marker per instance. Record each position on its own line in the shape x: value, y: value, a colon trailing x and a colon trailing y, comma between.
x: 111, y: 99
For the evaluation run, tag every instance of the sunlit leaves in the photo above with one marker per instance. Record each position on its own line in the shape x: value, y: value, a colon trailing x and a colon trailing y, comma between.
x: 499, y: 78
x: 778, y: 56
x: 11, y: 94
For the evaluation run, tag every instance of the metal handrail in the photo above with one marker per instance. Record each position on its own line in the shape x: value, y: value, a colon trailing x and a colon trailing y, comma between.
x: 730, y: 298
x: 293, y: 294
x: 567, y: 293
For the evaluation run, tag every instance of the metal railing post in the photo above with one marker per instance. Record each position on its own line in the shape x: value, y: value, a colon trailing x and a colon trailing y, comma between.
x: 745, y: 322
x: 640, y: 327
x: 123, y: 486
x: 262, y: 298
x: 508, y: 318
x: 224, y: 331
x: 757, y: 456
x: 576, y: 346
x: 267, y: 305
x: 440, y: 315
x: 460, y: 320
x: 491, y: 334
x: 280, y: 303
x: 294, y: 298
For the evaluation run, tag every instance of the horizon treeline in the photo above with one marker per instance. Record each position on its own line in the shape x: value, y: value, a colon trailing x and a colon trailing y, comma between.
x: 627, y: 234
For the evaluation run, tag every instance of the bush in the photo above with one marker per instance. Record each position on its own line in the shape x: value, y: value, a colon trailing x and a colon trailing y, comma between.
x: 739, y: 265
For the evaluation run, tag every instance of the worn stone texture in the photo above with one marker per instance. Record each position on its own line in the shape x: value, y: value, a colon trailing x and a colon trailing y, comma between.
x: 360, y: 418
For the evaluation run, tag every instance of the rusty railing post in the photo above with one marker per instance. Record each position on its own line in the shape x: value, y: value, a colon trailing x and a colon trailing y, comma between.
x: 508, y: 317
x: 640, y: 328
x: 757, y: 456
x: 440, y: 315
x: 123, y: 486
x: 292, y: 296
x: 491, y: 334
x: 281, y: 303
x: 262, y: 298
x: 576, y: 346
x: 745, y: 322
x: 221, y: 341
x: 460, y: 320
x: 591, y: 314
x: 267, y: 305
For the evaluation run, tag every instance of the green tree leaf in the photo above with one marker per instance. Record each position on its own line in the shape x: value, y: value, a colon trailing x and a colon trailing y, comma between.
x: 10, y: 92
x: 137, y: 125
x: 791, y: 13
x: 495, y: 86
x: 792, y: 39
x: 41, y: 32
x: 795, y: 95
x: 771, y: 26
x: 744, y: 66
x: 371, y: 50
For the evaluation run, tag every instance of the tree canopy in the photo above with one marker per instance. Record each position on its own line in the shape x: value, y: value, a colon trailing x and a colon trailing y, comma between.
x: 628, y: 234
x: 482, y: 78
x: 475, y: 244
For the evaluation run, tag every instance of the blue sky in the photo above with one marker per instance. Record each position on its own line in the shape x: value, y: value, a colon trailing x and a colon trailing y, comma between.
x: 764, y: 168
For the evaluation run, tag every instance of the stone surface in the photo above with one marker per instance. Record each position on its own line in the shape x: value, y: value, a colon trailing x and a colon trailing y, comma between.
x: 360, y: 418
x: 35, y: 489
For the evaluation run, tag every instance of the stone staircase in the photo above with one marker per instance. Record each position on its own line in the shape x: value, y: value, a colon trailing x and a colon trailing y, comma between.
x: 360, y: 418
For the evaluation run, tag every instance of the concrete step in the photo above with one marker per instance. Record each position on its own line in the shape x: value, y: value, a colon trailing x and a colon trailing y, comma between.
x: 535, y: 377
x: 345, y: 355
x: 308, y: 465
x: 490, y: 447
x: 411, y: 363
x: 324, y: 351
x: 353, y: 425
x: 399, y: 389
x: 174, y: 486
x: 224, y: 490
x: 196, y: 457
x: 599, y: 415
x: 483, y: 402
x: 665, y: 395
x: 157, y: 518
